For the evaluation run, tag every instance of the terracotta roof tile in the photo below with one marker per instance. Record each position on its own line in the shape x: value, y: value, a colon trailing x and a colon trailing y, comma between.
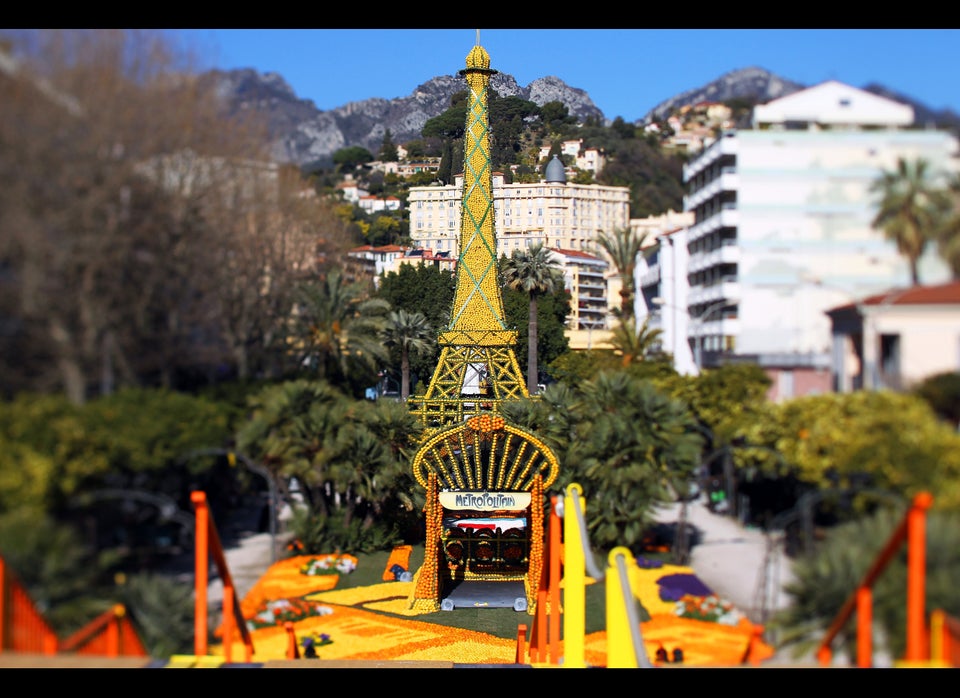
x: 918, y: 295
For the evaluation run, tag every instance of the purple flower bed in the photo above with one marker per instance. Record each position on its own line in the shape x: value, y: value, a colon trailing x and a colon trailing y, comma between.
x: 674, y: 587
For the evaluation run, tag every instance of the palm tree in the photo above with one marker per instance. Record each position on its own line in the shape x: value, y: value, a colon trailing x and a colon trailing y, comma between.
x: 533, y: 272
x: 410, y: 333
x: 948, y: 237
x: 633, y: 446
x: 622, y: 247
x: 911, y: 209
x: 347, y: 456
x: 340, y: 328
x: 633, y: 345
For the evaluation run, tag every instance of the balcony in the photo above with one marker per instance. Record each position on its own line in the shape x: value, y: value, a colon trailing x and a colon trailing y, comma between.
x: 728, y: 289
x: 726, y: 254
x: 727, y: 217
x: 726, y: 145
x: 728, y: 180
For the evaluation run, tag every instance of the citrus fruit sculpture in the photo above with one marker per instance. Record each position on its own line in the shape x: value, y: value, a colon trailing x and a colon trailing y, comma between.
x: 484, y: 478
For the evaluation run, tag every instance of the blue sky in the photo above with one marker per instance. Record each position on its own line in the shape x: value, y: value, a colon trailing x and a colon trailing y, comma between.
x: 626, y: 72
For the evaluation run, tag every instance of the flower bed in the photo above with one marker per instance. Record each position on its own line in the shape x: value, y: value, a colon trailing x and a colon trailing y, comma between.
x: 295, y: 577
x: 279, y: 611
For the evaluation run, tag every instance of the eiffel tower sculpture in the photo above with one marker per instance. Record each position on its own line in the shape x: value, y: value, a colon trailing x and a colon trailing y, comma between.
x: 478, y: 367
x: 484, y: 478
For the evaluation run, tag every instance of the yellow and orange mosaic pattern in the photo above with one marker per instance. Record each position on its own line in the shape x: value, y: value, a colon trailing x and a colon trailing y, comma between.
x: 354, y: 619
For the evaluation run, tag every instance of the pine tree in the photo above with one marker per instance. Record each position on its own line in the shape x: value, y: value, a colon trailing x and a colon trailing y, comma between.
x: 388, y: 149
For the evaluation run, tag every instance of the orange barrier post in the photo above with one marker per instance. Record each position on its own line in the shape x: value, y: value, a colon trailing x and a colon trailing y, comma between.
x: 556, y: 555
x: 228, y: 624
x: 916, y: 577
x: 208, y: 544
x: 293, y: 651
x: 542, y: 627
x: 864, y: 627
x: 521, y: 644
x: 201, y: 561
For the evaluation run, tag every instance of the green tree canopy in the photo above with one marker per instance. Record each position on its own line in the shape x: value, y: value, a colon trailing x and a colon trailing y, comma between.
x: 451, y: 123
x: 556, y: 116
x: 420, y: 288
x: 352, y: 157
x: 348, y: 455
x: 622, y: 247
x: 338, y: 332
x: 839, y: 440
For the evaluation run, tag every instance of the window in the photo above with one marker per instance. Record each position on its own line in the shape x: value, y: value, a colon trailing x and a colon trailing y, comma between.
x: 785, y: 386
x: 890, y: 361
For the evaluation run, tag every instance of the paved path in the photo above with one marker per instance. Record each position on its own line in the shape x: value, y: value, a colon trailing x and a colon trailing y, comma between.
x: 739, y: 563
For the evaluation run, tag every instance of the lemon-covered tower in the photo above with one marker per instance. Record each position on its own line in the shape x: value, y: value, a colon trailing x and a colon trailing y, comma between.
x: 478, y: 367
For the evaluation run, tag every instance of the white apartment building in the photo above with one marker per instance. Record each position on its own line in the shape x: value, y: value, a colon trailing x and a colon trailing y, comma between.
x: 553, y: 212
x: 782, y: 232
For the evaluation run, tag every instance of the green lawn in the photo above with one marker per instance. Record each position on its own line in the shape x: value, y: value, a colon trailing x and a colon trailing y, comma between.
x: 500, y: 622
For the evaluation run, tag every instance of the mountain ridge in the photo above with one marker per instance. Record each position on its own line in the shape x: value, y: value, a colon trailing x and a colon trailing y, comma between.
x: 306, y: 136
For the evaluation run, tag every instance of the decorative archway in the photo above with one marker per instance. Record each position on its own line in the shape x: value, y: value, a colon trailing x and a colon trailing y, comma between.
x: 484, y: 514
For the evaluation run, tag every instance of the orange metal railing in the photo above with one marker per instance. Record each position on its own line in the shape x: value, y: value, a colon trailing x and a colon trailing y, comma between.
x: 208, y: 545
x: 111, y: 634
x: 24, y: 629
x: 911, y: 532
